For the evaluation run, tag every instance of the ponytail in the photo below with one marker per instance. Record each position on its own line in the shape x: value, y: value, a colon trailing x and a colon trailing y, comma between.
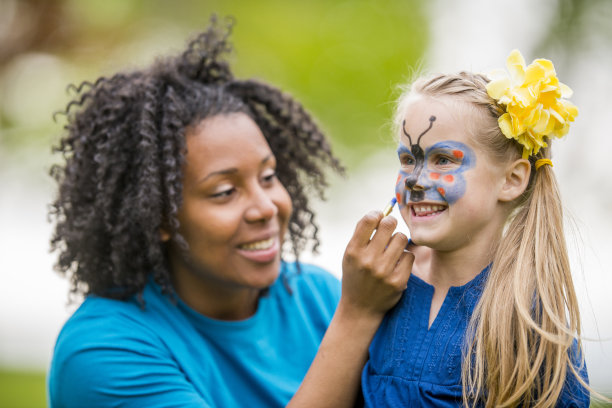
x: 527, y: 319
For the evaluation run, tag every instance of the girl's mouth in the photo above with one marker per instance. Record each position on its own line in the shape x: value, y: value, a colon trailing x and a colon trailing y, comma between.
x: 427, y: 210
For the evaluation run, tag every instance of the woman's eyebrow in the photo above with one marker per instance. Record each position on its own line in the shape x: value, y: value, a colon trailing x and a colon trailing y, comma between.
x: 231, y: 170
x: 223, y: 172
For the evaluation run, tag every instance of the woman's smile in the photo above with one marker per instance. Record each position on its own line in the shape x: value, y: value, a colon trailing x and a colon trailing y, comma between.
x: 262, y: 250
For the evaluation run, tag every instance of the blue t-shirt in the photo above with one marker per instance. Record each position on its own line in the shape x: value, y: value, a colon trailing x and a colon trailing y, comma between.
x: 116, y: 353
x: 412, y: 365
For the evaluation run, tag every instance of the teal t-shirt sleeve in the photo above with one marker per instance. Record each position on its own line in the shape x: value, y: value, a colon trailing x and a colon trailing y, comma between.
x: 122, y: 366
x: 324, y: 288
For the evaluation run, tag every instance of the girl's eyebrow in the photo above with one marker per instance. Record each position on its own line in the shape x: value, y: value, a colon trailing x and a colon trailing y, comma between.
x: 403, y: 149
x: 448, y: 145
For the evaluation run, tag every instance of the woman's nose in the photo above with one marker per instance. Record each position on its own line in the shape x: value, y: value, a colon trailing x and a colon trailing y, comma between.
x: 261, y: 206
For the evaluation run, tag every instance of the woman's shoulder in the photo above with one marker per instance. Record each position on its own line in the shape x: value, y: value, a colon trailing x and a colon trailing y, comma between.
x: 308, y: 274
x: 306, y: 280
x: 100, y: 322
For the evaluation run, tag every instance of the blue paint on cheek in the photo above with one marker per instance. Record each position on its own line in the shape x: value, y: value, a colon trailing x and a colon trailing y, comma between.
x: 439, y: 186
x: 400, y: 189
x: 450, y: 185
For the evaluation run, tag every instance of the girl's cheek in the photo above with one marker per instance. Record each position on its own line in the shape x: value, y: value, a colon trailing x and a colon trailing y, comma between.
x: 400, y: 189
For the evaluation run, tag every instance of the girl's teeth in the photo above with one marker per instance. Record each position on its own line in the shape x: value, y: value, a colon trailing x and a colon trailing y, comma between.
x: 254, y: 246
x: 427, y: 210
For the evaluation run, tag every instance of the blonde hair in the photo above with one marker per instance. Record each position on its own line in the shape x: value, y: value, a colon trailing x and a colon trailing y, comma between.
x: 518, y: 345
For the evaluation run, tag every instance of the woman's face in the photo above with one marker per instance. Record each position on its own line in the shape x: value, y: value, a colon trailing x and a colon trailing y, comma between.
x: 235, y: 211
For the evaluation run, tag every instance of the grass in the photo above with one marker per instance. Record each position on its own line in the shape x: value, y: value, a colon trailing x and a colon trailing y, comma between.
x: 22, y: 389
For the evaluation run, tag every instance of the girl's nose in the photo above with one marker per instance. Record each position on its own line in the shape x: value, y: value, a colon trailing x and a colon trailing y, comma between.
x: 415, y: 183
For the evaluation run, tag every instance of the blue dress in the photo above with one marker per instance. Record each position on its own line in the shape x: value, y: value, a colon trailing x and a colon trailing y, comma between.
x: 412, y: 365
x: 116, y: 353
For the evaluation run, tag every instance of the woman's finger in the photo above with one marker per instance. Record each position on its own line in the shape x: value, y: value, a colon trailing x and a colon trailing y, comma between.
x: 384, y: 232
x: 364, y: 229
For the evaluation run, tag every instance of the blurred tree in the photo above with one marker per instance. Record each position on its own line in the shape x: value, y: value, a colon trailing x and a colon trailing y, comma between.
x: 340, y: 58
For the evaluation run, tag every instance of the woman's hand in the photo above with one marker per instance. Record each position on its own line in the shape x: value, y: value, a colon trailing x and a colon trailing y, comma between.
x: 375, y: 268
x: 375, y: 272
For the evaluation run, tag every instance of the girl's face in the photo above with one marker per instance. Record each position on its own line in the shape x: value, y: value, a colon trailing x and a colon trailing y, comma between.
x: 447, y: 187
x: 235, y: 211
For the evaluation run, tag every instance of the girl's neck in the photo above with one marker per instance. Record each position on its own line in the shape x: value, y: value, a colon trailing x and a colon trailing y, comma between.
x: 444, y: 269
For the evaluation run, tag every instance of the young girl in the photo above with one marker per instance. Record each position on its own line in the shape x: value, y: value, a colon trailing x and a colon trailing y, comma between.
x: 489, y: 317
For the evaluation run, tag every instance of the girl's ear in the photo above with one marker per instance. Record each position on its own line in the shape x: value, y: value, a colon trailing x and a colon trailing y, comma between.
x: 516, y: 180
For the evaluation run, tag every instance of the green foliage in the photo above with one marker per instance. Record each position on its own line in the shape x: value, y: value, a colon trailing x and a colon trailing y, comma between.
x: 342, y: 59
x: 20, y: 389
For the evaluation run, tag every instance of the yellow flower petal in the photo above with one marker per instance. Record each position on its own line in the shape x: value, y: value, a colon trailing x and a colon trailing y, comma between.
x: 505, y: 124
x: 566, y: 91
x: 557, y: 116
x: 516, y: 66
x: 497, y: 88
x: 532, y: 97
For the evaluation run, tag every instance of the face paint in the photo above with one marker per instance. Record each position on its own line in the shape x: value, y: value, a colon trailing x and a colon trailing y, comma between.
x: 429, y: 179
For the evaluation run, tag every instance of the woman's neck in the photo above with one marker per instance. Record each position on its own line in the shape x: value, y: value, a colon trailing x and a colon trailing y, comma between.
x: 219, y: 304
x: 213, y: 298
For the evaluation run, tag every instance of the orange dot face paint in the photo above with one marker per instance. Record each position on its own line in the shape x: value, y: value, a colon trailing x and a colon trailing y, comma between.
x: 458, y: 154
x: 449, y: 178
x: 434, y: 176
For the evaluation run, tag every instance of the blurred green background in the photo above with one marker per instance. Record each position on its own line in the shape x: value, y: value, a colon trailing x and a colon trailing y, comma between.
x: 341, y: 59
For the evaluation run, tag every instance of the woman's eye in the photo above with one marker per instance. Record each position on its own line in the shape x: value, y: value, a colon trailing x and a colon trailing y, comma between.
x: 269, y: 176
x: 224, y: 193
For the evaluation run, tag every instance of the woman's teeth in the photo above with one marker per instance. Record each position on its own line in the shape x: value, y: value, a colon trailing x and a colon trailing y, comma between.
x: 423, y: 210
x: 258, y: 245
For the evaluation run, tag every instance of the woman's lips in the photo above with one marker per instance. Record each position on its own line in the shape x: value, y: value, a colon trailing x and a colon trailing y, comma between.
x: 262, y: 251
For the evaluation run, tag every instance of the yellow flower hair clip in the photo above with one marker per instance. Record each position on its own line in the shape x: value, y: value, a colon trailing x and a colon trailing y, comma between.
x: 534, y: 102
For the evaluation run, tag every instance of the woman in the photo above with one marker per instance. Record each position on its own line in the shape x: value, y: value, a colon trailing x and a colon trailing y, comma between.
x: 180, y: 187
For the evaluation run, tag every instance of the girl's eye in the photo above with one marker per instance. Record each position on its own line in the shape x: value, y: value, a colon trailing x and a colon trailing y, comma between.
x: 444, y: 161
x: 407, y: 160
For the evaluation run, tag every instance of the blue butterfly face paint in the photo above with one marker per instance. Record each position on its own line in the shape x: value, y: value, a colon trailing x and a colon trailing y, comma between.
x: 434, y: 174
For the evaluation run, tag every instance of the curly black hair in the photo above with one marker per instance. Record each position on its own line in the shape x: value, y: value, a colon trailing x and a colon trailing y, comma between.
x: 124, y: 148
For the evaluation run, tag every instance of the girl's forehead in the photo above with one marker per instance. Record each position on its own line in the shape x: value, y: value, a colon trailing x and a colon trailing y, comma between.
x: 450, y: 123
